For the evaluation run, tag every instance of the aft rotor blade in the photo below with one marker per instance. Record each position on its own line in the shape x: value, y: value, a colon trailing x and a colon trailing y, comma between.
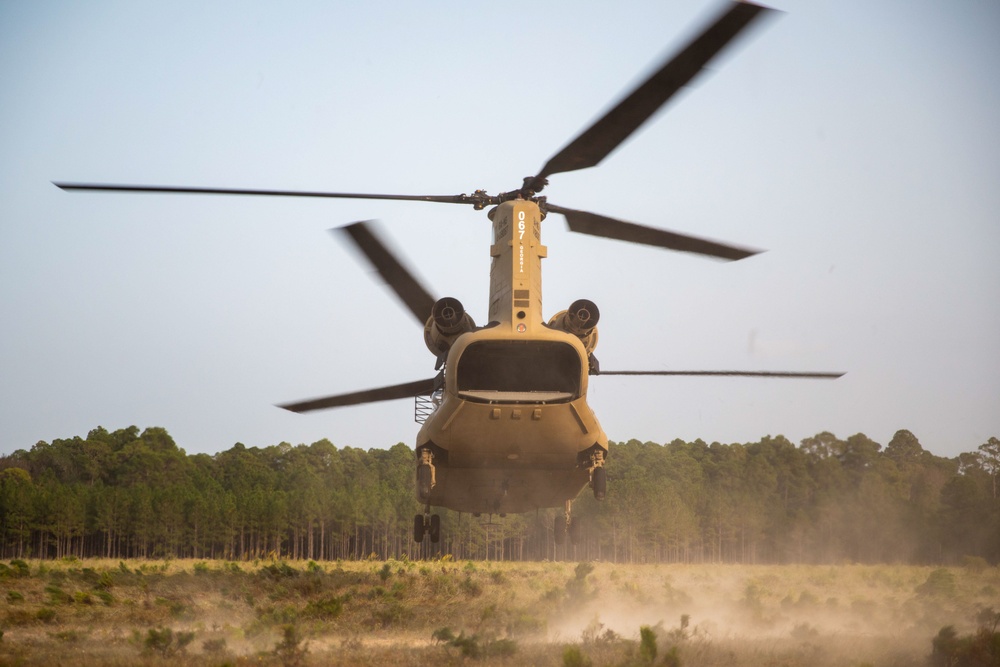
x: 171, y: 189
x: 601, y: 225
x: 407, y: 390
x: 598, y: 140
x: 753, y: 374
x: 409, y: 290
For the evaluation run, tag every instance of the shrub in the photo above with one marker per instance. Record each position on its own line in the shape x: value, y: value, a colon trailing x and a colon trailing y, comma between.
x: 20, y: 568
x: 940, y: 583
x: 471, y: 587
x: 804, y: 632
x: 279, y: 570
x: 213, y: 645
x: 753, y: 596
x: 470, y: 647
x: 391, y: 612
x: 105, y: 580
x: 16, y: 617
x: 647, y: 644
x: 325, y: 608
x: 290, y: 649
x: 576, y: 587
x: 503, y: 648
x: 574, y: 657
x: 165, y: 642
x: 443, y: 636
x: 58, y: 595
x: 672, y: 658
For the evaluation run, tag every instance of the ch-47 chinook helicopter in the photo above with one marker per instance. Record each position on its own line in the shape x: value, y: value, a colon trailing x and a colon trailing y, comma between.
x: 506, y: 424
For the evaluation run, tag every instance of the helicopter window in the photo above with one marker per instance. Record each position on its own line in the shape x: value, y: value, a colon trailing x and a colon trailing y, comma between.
x: 519, y: 371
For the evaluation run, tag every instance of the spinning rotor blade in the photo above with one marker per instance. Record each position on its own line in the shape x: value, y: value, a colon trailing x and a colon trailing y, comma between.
x: 407, y: 390
x: 752, y: 374
x: 600, y: 225
x: 170, y: 189
x: 403, y: 283
x: 598, y: 140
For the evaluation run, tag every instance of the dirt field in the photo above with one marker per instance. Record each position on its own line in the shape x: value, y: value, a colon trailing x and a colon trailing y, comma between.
x: 444, y: 613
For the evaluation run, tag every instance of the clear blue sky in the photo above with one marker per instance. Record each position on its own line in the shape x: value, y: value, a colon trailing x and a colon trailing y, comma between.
x: 857, y: 142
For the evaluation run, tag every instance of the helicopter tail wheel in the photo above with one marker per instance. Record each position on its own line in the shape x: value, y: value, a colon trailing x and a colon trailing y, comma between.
x: 599, y: 482
x: 419, y: 529
x: 435, y: 528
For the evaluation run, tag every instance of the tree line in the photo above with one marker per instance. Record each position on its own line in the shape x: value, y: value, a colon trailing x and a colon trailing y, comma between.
x: 132, y: 494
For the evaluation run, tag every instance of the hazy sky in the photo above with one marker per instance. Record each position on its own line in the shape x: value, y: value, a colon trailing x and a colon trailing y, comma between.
x: 857, y: 142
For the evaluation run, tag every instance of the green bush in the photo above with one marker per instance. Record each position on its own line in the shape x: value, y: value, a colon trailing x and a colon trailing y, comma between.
x: 20, y: 568
x: 211, y: 646
x: 647, y: 644
x: 58, y: 595
x: 165, y: 642
x: 291, y: 648
x: 574, y: 657
x: 940, y: 583
x: 471, y: 587
x: 443, y: 636
x: 979, y: 650
x: 46, y: 614
x: 325, y: 608
x: 975, y: 564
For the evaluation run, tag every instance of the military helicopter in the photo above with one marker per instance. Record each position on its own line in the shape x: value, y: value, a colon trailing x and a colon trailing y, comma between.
x: 506, y: 427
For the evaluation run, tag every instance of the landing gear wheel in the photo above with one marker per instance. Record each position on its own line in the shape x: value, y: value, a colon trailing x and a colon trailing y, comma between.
x: 599, y: 480
x: 418, y: 528
x: 435, y: 530
x: 423, y: 482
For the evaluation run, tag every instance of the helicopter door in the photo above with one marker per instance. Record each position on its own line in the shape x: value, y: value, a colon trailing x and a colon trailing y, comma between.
x: 508, y: 371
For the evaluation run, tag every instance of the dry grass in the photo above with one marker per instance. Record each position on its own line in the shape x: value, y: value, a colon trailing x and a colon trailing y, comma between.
x: 387, y: 613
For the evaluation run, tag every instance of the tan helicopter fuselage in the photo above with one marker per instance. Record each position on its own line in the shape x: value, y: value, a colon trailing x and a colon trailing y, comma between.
x: 513, y: 431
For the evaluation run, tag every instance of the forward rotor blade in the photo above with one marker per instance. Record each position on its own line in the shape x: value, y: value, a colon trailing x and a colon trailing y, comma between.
x: 171, y: 189
x: 409, y: 290
x: 407, y: 390
x: 601, y: 225
x: 598, y: 140
x: 753, y: 374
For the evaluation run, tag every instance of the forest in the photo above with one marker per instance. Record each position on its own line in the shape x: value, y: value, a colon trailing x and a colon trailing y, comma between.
x: 131, y: 494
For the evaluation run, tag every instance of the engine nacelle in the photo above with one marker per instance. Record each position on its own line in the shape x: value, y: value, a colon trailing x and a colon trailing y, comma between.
x: 581, y: 321
x: 447, y: 322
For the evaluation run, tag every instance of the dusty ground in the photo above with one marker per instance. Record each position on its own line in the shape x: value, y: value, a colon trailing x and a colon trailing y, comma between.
x: 444, y: 613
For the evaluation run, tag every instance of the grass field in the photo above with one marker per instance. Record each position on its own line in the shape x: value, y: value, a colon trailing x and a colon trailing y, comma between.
x: 103, y: 612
